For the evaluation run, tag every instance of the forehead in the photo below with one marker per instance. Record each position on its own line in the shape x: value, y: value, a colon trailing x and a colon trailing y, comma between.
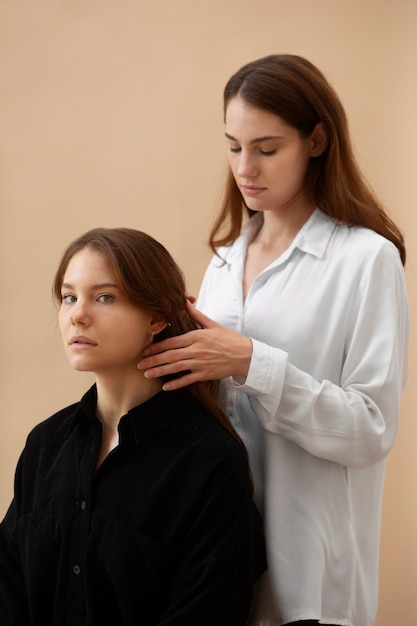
x: 86, y: 263
x: 242, y: 117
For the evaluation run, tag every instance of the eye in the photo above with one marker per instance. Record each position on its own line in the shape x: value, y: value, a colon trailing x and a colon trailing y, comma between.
x: 235, y: 150
x: 105, y: 298
x: 68, y: 298
x: 267, y: 152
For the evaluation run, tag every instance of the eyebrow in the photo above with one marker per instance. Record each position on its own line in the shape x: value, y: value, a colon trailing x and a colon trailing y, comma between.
x: 93, y: 287
x: 257, y: 140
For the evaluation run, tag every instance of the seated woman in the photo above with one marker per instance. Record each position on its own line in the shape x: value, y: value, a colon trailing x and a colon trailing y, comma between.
x: 132, y: 506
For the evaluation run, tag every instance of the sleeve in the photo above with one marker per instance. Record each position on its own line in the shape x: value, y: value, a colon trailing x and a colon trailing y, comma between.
x: 353, y: 423
x: 13, y: 601
x: 213, y: 583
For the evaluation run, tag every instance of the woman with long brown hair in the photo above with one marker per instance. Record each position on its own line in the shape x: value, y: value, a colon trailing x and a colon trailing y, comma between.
x: 306, y: 321
x: 132, y: 506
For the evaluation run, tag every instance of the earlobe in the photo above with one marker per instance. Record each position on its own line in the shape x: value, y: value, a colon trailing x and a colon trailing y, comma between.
x: 319, y: 140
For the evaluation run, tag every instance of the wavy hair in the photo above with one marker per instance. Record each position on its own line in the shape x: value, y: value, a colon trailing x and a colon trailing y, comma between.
x: 149, y: 277
x: 294, y: 89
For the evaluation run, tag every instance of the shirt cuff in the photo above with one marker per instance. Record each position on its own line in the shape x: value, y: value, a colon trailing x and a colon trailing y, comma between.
x: 265, y: 379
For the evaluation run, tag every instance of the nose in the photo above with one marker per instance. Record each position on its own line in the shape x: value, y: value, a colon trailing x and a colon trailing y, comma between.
x: 246, y: 167
x: 79, y: 314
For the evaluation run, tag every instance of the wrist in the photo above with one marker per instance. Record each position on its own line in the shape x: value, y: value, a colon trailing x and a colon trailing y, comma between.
x: 244, y: 362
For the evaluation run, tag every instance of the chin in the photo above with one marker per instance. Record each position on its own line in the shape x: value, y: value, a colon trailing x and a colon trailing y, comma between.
x: 80, y: 367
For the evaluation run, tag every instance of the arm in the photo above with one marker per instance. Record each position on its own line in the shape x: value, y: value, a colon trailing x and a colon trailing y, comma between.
x: 353, y: 418
x: 13, y: 601
x: 213, y: 583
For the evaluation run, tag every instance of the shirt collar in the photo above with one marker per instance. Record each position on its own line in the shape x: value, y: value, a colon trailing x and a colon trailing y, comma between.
x: 312, y: 238
x: 143, y: 421
x: 155, y: 415
x: 84, y: 411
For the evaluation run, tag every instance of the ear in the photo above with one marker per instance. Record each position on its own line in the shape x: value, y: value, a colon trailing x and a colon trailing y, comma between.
x: 157, y: 325
x: 319, y: 140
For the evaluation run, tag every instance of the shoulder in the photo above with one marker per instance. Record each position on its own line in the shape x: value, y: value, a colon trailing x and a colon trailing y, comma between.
x: 60, y: 423
x: 203, y: 435
x: 362, y: 247
x: 54, y: 427
x: 367, y: 266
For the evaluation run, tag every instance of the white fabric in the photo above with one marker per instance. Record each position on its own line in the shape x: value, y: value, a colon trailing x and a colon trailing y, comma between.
x: 319, y: 410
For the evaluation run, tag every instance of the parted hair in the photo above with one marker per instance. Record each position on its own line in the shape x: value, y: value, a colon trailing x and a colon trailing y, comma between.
x: 294, y: 89
x: 149, y: 277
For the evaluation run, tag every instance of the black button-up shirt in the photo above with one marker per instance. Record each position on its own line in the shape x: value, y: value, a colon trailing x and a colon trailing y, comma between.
x: 161, y: 533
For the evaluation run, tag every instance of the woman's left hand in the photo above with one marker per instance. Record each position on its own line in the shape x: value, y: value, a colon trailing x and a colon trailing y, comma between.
x: 210, y: 353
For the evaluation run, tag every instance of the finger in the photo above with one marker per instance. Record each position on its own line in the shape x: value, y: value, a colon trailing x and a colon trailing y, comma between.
x: 190, y: 298
x: 172, y: 343
x: 156, y: 362
x: 199, y: 317
x: 178, y: 383
x: 165, y: 368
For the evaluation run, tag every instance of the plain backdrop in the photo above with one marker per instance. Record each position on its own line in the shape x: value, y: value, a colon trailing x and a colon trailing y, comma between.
x: 111, y: 115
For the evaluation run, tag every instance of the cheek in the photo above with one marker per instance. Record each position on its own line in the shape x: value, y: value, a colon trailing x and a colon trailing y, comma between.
x: 135, y: 335
x: 294, y: 166
x: 61, y: 322
x: 132, y: 350
x: 233, y: 162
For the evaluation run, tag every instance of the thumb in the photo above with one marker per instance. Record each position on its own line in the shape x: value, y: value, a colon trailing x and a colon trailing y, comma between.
x: 202, y: 320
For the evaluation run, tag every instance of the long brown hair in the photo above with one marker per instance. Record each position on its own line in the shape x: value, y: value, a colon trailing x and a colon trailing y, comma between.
x: 149, y: 277
x: 294, y: 89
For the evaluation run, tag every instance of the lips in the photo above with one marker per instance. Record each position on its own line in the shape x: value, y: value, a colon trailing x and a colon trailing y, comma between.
x: 251, y: 190
x: 81, y: 341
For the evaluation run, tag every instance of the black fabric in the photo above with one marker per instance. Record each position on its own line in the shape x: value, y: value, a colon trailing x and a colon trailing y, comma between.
x: 307, y: 622
x: 161, y: 534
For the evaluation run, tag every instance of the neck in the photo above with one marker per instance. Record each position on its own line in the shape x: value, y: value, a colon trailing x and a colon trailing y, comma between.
x: 118, y: 395
x: 279, y: 229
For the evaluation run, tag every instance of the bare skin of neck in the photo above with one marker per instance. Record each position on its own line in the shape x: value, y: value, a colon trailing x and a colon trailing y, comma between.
x: 114, y: 399
x: 273, y: 238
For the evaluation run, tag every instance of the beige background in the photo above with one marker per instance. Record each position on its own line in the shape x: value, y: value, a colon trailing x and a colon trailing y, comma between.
x: 110, y: 114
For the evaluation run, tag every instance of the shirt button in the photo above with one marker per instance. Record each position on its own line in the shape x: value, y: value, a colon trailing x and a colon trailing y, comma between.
x: 76, y: 569
x: 83, y: 505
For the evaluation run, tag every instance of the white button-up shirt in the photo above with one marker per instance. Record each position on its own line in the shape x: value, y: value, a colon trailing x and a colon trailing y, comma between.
x: 319, y: 409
